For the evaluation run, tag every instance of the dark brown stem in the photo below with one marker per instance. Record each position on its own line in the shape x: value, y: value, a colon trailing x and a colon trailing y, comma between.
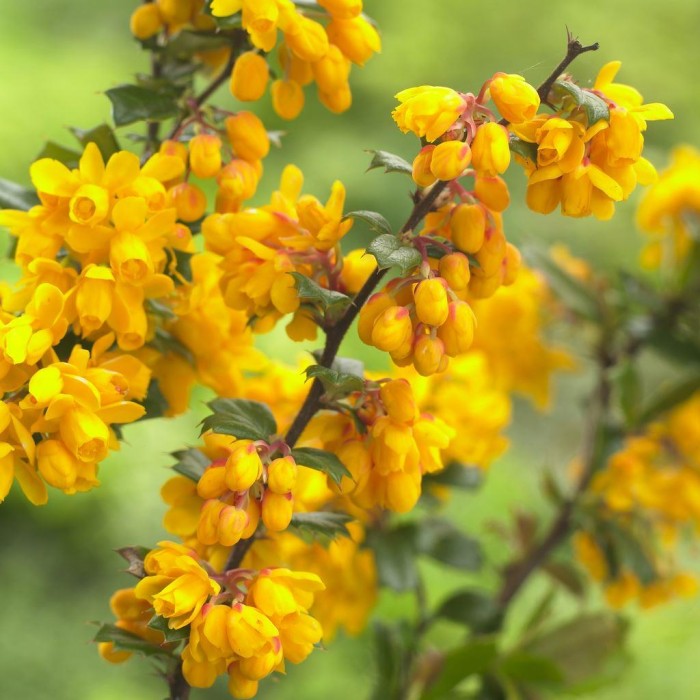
x: 177, y: 685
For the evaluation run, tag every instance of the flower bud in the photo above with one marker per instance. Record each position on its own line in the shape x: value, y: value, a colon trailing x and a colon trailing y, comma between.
x: 392, y: 328
x: 490, y: 149
x: 511, y: 264
x: 189, y: 201
x: 422, y: 175
x: 490, y: 255
x: 457, y: 333
x: 332, y: 71
x: 243, y: 466
x: 58, y: 467
x: 342, y: 9
x: 281, y: 475
x: 355, y: 37
x: 468, y: 227
x: 212, y: 483
x: 402, y: 491
x: 85, y: 434
x: 208, y: 525
x: 357, y: 267
x: 431, y: 301
x: 493, y: 192
x: 427, y: 355
x: 356, y: 458
x: 232, y: 523
x: 277, y: 510
x: 484, y: 286
x: 287, y: 98
x: 516, y: 99
x: 249, y: 77
x: 308, y: 39
x: 399, y: 402
x: 248, y: 136
x: 450, y: 159
x: 370, y: 312
x: 145, y: 21
x: 454, y: 269
x: 205, y: 155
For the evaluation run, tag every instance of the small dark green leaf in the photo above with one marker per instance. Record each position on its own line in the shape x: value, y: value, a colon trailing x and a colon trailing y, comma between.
x: 323, y: 525
x: 523, y: 148
x: 132, y: 103
x: 102, y: 136
x: 186, y: 43
x: 155, y: 403
x: 161, y: 625
x: 566, y: 575
x: 457, y: 475
x: 475, y: 609
x: 164, y: 342
x: 524, y: 667
x: 126, y: 641
x: 191, y: 463
x: 390, y: 252
x: 475, y: 657
x: 14, y: 196
x: 395, y: 554
x: 321, y: 461
x: 440, y: 540
x: 595, y: 107
x: 675, y: 346
x: 389, y: 656
x: 373, y: 219
x: 246, y: 420
x: 325, y: 299
x: 390, y: 162
x: 629, y: 388
x: 335, y: 384
x: 60, y: 153
x: 669, y: 397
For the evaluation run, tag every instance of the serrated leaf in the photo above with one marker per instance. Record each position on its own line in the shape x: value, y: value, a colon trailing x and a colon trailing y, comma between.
x: 60, y: 153
x: 439, y: 539
x: 186, y: 43
x: 668, y: 398
x: 321, y: 461
x: 373, y: 219
x: 522, y: 148
x: 133, y: 103
x: 155, y: 403
x: 323, y: 525
x: 102, y: 136
x: 325, y: 299
x: 191, y: 463
x: 14, y: 196
x: 457, y: 475
x: 475, y: 609
x: 245, y: 420
x: 171, y: 636
x: 595, y: 107
x: 390, y: 252
x: 395, y: 554
x: 126, y: 641
x: 336, y: 384
x: 390, y: 162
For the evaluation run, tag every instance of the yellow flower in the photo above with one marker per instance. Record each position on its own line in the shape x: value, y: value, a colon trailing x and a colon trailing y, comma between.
x: 428, y: 111
x: 249, y: 77
x: 515, y: 98
x: 247, y: 135
x: 490, y: 149
x: 449, y: 159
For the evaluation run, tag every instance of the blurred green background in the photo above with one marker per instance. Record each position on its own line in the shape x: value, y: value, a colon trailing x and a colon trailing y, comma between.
x: 58, y: 568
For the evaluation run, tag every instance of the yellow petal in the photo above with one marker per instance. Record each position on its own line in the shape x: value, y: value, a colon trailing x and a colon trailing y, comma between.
x: 163, y: 168
x: 121, y: 412
x: 607, y: 74
x: 31, y: 484
x: 52, y: 177
x: 92, y: 165
x: 122, y: 169
x: 129, y: 213
x: 46, y: 305
x: 654, y: 111
x: 83, y: 391
x: 604, y: 183
x: 46, y: 384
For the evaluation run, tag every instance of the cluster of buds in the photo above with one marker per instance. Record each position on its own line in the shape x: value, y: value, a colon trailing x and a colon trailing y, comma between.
x: 309, y: 51
x: 388, y: 456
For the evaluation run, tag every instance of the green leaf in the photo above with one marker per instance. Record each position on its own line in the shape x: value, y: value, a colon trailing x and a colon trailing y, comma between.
x: 321, y: 461
x: 335, y: 384
x: 102, y: 136
x: 566, y: 575
x: 457, y: 475
x: 14, y: 196
x: 389, y: 658
x: 126, y: 641
x: 133, y: 103
x: 186, y: 43
x: 245, y: 420
x: 171, y: 636
x: 475, y: 609
x: 325, y: 299
x: 523, y: 148
x: 572, y: 292
x: 674, y: 345
x: 373, y: 219
x: 179, y: 265
x: 60, y: 153
x: 595, y: 107
x: 439, y: 539
x: 475, y: 657
x: 624, y: 549
x: 390, y: 162
x: 191, y: 463
x: 669, y: 397
x: 395, y: 554
x: 524, y: 667
x: 390, y: 252
x: 155, y: 403
x: 165, y: 343
x: 323, y: 525
x: 629, y: 387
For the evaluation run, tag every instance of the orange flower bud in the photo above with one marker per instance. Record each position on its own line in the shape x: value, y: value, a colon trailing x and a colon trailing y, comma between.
x: 248, y: 136
x: 484, y: 286
x: 454, y: 269
x: 450, y: 159
x: 208, y: 525
x: 356, y: 458
x: 332, y: 71
x: 231, y: 525
x: 281, y: 475
x: 342, y: 9
x: 307, y: 40
x: 392, y: 329
x: 146, y: 21
x: 422, y: 174
x: 511, y: 264
x: 243, y: 466
x: 427, y: 355
x: 515, y: 98
x: 249, y: 77
x: 490, y: 149
x: 370, y: 312
x: 357, y: 267
x: 431, y: 301
x: 468, y: 227
x: 287, y: 98
x: 457, y: 333
x: 277, y: 510
x: 491, y: 254
x: 212, y: 483
x: 355, y: 37
x: 189, y: 201
x: 399, y: 402
x: 205, y: 155
x: 493, y: 192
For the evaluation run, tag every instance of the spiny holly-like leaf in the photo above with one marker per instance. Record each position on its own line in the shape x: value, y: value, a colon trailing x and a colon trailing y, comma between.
x: 134, y: 556
x: 54, y: 150
x: 373, y: 219
x: 390, y: 162
x: 523, y: 148
x: 186, y: 43
x: 161, y: 625
x: 321, y: 461
x: 325, y: 299
x: 191, y: 463
x: 475, y: 609
x: 335, y: 384
x: 133, y: 103
x: 595, y: 107
x: 322, y: 525
x: 246, y: 420
x: 126, y: 641
x: 390, y: 252
x: 14, y: 196
x: 102, y: 136
x: 457, y: 475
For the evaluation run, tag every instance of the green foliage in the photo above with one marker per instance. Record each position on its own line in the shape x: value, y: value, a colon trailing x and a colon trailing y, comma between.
x: 191, y: 463
x: 669, y: 397
x: 325, y: 300
x: 373, y: 219
x: 523, y: 148
x: 336, y: 385
x: 321, y: 525
x: 133, y: 103
x: 102, y: 136
x: 390, y: 252
x: 322, y: 461
x: 389, y: 652
x: 390, y: 162
x: 64, y: 155
x: 473, y: 608
x: 245, y: 420
x: 171, y: 636
x: 14, y: 196
x: 456, y: 475
x: 126, y: 641
x: 595, y: 107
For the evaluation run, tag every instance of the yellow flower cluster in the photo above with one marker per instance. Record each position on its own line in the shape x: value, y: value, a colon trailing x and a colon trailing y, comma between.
x: 669, y: 209
x: 587, y: 166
